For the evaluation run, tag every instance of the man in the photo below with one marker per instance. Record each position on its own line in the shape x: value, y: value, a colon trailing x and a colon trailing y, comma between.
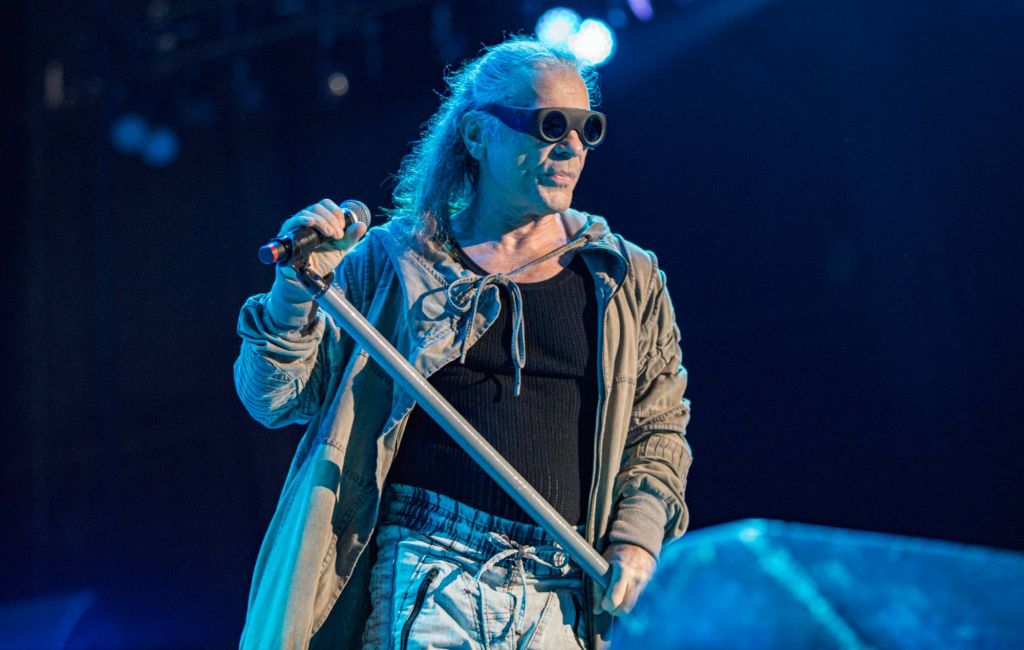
x: 554, y: 337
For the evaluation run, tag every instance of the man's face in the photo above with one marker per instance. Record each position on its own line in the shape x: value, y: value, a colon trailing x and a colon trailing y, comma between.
x: 532, y: 176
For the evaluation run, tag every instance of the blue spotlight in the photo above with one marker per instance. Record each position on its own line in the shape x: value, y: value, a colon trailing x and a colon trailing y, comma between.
x: 161, y: 148
x: 642, y: 9
x: 129, y: 133
x: 556, y: 26
x: 594, y: 42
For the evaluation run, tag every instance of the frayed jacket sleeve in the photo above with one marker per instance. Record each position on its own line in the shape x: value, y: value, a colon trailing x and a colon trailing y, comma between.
x: 651, y: 484
x: 284, y: 364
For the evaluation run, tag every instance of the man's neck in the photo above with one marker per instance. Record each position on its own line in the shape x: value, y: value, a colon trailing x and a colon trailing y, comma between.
x: 502, y: 240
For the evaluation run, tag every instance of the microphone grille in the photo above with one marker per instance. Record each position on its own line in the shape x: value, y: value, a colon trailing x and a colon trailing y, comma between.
x: 358, y: 210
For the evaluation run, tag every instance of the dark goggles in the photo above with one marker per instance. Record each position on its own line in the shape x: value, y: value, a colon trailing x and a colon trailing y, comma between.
x: 552, y: 124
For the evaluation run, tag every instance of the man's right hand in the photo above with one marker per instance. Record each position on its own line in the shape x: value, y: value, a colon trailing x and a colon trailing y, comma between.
x: 328, y: 219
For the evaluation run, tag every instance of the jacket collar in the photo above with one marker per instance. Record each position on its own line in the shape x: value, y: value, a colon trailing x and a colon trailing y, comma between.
x: 602, y: 253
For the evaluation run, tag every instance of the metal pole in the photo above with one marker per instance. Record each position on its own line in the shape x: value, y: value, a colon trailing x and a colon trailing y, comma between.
x: 461, y: 431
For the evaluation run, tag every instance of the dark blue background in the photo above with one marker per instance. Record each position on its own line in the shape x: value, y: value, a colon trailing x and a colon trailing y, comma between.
x: 833, y: 188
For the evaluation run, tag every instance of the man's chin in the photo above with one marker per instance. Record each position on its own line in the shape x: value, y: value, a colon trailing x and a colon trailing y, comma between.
x: 557, y: 201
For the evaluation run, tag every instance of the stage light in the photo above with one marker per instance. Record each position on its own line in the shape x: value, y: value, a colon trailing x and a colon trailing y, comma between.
x: 129, y: 133
x: 556, y: 26
x: 594, y: 42
x: 642, y: 9
x: 617, y: 18
x: 161, y: 148
x: 337, y: 84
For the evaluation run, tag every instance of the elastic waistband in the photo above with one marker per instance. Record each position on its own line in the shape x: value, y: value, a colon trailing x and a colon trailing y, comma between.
x: 436, y: 515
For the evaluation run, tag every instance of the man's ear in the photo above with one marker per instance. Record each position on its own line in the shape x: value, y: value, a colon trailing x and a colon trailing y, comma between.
x: 472, y: 128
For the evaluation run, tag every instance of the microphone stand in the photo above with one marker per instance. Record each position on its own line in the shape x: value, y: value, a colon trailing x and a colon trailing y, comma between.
x: 331, y: 299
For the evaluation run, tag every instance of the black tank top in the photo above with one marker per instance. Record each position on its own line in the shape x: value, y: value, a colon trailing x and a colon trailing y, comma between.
x: 547, y: 433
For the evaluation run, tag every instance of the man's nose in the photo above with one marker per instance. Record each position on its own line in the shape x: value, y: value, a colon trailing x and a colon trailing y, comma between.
x: 570, y: 146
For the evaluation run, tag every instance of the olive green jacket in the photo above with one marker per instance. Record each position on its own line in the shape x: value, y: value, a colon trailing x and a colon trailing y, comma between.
x: 297, y: 366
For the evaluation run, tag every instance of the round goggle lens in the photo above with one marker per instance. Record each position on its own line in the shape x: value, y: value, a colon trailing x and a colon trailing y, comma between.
x: 554, y: 125
x: 592, y: 129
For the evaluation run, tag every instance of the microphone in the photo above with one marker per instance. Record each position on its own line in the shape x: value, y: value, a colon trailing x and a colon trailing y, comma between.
x: 303, y: 241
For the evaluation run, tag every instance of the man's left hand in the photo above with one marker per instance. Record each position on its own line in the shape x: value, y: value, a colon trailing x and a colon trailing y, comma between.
x: 632, y: 568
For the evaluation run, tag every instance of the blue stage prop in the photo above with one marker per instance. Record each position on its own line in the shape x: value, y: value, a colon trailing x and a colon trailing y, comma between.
x: 772, y: 584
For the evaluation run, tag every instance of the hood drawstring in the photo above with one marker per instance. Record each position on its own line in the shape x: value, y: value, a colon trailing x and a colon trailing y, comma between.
x: 464, y: 294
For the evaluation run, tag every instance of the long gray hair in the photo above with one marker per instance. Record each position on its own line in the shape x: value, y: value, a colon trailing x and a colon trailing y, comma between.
x: 438, y: 178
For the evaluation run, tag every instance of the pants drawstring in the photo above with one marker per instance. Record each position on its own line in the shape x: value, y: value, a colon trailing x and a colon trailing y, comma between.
x: 521, y: 552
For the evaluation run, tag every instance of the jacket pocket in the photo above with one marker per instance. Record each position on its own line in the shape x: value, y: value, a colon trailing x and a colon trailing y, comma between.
x: 421, y: 597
